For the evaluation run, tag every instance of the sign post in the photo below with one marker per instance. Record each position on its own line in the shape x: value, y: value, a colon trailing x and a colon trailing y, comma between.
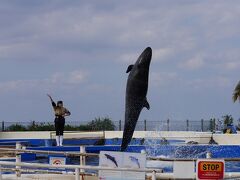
x: 210, y: 169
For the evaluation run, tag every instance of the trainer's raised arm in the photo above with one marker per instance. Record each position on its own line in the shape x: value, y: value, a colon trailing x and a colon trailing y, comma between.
x: 50, y: 97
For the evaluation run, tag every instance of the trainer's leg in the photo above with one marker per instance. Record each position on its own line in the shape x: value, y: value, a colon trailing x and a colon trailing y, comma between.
x: 57, y: 132
x: 58, y: 140
x: 61, y: 129
x: 61, y: 141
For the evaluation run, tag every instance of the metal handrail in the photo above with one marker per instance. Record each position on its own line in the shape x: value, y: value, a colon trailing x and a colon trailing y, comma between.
x: 188, y: 159
x: 75, y: 154
x: 42, y: 171
x: 69, y: 154
x: 38, y: 165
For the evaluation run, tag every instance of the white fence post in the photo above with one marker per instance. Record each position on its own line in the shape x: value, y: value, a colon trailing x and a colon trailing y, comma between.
x: 18, y: 159
x: 154, y: 175
x: 0, y: 172
x: 77, y: 177
x: 82, y: 159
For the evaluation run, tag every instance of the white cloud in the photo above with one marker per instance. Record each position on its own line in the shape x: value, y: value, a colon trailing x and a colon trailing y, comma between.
x: 211, y: 82
x: 225, y: 61
x: 163, y: 78
x: 193, y: 63
x: 18, y: 85
x: 128, y: 58
x: 72, y: 78
x: 162, y: 54
x: 60, y: 80
x: 232, y: 65
x: 77, y: 77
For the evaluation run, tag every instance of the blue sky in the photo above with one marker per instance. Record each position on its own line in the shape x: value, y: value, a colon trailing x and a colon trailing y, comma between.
x: 78, y: 51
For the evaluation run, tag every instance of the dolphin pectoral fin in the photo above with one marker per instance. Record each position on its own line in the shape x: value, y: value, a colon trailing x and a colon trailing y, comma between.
x: 129, y: 68
x: 146, y: 104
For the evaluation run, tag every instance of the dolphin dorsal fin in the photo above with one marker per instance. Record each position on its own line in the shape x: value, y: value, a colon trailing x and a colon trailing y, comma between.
x: 146, y: 104
x: 129, y: 68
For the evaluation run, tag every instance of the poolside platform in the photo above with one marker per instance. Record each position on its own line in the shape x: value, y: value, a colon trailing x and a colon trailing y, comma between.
x: 42, y: 143
x: 47, y: 138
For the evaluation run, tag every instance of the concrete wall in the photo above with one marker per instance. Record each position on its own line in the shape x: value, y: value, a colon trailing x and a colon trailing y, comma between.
x: 49, y: 135
x: 227, y: 139
x: 158, y: 134
x: 200, y: 137
x: 25, y: 135
x: 89, y: 135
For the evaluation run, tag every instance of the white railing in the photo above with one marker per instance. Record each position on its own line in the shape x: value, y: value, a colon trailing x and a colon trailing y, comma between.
x: 79, y: 169
x: 76, y: 168
x: 188, y: 159
x: 151, y: 172
x: 68, y: 154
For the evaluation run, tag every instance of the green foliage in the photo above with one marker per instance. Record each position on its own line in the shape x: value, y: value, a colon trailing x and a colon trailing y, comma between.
x: 236, y: 93
x: 227, y: 119
x: 16, y: 127
x: 40, y: 126
x: 98, y: 124
x: 238, y: 125
x: 212, y: 124
x: 77, y: 128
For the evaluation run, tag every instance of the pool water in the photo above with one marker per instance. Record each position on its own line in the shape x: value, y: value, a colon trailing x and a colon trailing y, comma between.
x: 174, y: 149
x: 193, y: 151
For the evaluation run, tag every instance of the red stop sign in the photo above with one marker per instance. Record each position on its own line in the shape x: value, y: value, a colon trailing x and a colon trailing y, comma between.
x: 210, y: 169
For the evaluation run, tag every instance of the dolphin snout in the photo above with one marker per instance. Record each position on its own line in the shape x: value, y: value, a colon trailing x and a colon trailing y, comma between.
x: 148, y: 52
x: 146, y: 56
x: 148, y: 49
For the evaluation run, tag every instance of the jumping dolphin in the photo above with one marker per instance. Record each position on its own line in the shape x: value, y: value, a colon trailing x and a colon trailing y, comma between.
x: 135, y: 160
x: 136, y: 91
x: 111, y: 158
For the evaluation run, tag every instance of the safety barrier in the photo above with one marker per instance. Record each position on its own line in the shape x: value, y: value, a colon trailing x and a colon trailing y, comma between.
x: 80, y: 169
x: 67, y: 154
x: 186, y: 159
x: 77, y: 168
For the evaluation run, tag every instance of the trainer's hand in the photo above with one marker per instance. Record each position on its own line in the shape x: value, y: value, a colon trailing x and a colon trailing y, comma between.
x: 49, y: 96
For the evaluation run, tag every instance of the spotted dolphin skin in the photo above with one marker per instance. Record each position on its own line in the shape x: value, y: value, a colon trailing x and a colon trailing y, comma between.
x: 136, y: 91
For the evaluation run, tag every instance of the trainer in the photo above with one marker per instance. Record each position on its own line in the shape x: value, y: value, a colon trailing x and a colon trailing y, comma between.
x: 60, y: 113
